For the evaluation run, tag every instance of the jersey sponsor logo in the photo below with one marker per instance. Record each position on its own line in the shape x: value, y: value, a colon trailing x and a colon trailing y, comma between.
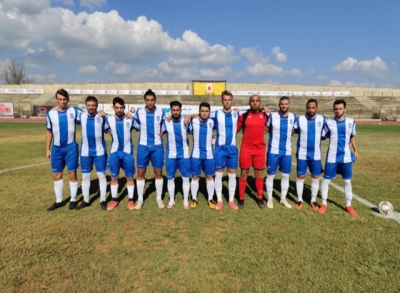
x: 71, y: 115
x: 98, y: 120
x: 349, y: 125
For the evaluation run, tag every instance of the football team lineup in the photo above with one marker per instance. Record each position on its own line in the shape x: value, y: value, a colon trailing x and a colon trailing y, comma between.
x: 205, y: 157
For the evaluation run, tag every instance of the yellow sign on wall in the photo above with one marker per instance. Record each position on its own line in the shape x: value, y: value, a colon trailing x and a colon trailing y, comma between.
x: 208, y: 88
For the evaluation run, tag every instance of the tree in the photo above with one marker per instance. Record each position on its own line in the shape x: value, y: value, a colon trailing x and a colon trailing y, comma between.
x: 14, y: 73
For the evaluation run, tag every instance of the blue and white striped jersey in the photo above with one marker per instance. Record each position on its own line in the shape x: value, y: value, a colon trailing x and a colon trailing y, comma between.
x: 149, y: 124
x: 121, y: 132
x: 280, y: 133
x: 202, y: 136
x: 339, y: 133
x: 177, y: 141
x: 93, y: 129
x: 226, y: 125
x: 62, y: 124
x: 309, y: 139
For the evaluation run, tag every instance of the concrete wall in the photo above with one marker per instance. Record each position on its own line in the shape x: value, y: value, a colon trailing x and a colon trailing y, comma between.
x: 50, y: 89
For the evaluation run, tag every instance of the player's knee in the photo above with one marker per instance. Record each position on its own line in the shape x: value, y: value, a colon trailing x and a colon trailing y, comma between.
x: 57, y: 176
x: 72, y: 176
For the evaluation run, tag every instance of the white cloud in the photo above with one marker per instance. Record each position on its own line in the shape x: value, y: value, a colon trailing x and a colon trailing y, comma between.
x: 88, y: 69
x: 42, y: 78
x: 65, y: 2
x: 395, y: 64
x: 251, y: 55
x: 219, y: 73
x: 279, y: 56
x: 321, y: 77
x: 365, y: 66
x: 92, y: 3
x: 335, y: 82
x: 295, y: 72
x: 117, y: 68
x: 264, y: 68
x: 24, y: 7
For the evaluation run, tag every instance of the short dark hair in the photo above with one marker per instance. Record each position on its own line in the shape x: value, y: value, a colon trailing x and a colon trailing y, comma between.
x: 149, y: 93
x: 284, y: 98
x: 226, y: 93
x: 91, y: 99
x: 63, y: 93
x: 338, y: 102
x: 118, y: 100
x: 204, y: 104
x: 312, y: 101
x: 175, y: 103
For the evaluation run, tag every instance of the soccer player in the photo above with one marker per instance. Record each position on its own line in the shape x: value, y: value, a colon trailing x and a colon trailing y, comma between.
x: 177, y: 153
x: 202, y: 157
x: 121, y: 153
x: 61, y: 130
x: 150, y: 146
x: 93, y: 150
x: 253, y: 148
x: 226, y: 152
x: 309, y: 129
x: 280, y: 128
x: 341, y: 131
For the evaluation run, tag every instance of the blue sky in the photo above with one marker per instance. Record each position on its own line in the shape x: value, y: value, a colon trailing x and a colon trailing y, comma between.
x: 311, y: 42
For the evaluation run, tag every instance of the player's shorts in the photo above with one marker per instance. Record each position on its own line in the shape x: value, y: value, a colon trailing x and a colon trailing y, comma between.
x: 226, y: 156
x: 122, y: 160
x: 251, y: 156
x: 344, y: 169
x: 155, y: 154
x: 274, y: 161
x: 172, y: 165
x: 197, y: 165
x: 314, y: 166
x: 61, y: 156
x: 99, y: 161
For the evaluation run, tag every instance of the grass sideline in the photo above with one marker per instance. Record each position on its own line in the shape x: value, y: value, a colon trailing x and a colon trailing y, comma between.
x: 200, y: 250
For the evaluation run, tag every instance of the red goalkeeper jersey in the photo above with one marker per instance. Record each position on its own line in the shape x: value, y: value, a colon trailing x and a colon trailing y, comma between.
x: 253, y: 129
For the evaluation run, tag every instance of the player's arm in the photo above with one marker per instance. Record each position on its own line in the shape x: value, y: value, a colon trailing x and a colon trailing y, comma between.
x: 49, y: 138
x: 239, y: 124
x: 354, y: 146
x: 189, y: 117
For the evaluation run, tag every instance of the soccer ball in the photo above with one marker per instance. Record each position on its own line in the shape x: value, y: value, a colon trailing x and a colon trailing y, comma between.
x: 385, y: 208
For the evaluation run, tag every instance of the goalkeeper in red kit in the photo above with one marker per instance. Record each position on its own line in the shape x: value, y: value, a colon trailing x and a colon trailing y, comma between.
x: 253, y: 148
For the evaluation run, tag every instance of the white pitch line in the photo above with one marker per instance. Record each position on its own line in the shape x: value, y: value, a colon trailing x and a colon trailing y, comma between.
x: 23, y: 167
x: 394, y: 216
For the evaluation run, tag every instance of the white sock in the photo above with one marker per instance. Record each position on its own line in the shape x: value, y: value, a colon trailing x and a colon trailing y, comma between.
x: 231, y: 186
x: 348, y: 193
x: 185, y: 187
x: 140, y: 188
x: 210, y: 189
x: 159, y: 188
x: 114, y: 191
x: 299, y: 188
x: 103, y: 186
x: 73, y: 186
x: 218, y: 185
x: 58, y: 190
x: 194, y: 186
x: 269, y: 185
x: 284, y: 185
x: 324, y: 190
x: 171, y: 190
x: 314, y: 188
x: 85, y: 186
x: 131, y: 191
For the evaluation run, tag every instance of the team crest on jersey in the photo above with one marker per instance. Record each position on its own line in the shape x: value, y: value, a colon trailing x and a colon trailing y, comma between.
x: 210, y: 125
x: 98, y: 119
x: 319, y: 124
x: 71, y: 115
x: 291, y: 121
x: 128, y: 124
x: 158, y: 118
x: 234, y: 114
x: 349, y: 125
x: 261, y: 116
